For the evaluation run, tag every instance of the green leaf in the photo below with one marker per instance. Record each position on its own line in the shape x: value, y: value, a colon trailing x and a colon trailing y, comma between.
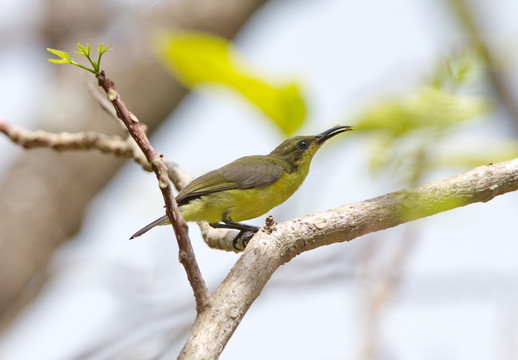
x: 62, y: 54
x: 198, y: 59
x: 82, y: 50
x: 101, y: 49
x: 60, y: 61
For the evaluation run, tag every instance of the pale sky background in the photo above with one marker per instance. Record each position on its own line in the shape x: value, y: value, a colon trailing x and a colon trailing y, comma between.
x: 459, y: 293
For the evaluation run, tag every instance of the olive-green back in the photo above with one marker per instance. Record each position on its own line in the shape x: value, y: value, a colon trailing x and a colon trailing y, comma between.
x: 244, y: 173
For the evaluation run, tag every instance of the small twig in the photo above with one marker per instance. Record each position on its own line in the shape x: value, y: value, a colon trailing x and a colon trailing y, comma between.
x: 66, y: 141
x: 80, y: 141
x: 215, y: 238
x: 186, y: 254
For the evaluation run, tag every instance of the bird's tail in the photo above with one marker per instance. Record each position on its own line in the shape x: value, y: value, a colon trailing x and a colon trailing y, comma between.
x: 160, y: 221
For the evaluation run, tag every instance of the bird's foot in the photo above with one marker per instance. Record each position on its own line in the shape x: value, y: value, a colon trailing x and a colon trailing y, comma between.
x: 246, y: 232
x: 243, y: 237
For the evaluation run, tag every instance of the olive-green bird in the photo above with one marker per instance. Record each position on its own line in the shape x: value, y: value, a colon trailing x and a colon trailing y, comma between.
x: 249, y: 186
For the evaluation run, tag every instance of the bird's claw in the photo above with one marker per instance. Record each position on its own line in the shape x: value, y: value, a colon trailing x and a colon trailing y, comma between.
x: 242, y: 238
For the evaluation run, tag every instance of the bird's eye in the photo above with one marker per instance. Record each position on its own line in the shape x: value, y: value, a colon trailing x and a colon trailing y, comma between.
x: 303, y: 145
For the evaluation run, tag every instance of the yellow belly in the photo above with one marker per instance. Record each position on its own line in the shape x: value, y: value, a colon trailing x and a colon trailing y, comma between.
x: 240, y: 204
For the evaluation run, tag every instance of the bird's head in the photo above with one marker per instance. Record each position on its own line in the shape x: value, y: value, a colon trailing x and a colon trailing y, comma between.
x: 299, y: 150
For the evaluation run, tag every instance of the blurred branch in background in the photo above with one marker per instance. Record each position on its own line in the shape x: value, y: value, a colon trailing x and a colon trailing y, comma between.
x: 50, y: 190
x: 467, y: 16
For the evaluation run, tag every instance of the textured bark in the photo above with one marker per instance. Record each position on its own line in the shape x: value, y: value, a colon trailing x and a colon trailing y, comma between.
x: 45, y: 193
x: 271, y: 248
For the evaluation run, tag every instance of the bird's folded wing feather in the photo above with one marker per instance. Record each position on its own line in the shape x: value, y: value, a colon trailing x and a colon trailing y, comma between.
x: 244, y: 173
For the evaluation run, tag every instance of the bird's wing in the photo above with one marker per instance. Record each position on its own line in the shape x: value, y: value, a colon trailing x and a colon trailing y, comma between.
x: 244, y: 173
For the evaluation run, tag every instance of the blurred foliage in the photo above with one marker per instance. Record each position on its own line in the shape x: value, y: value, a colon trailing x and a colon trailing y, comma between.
x: 198, y: 58
x: 460, y: 71
x: 428, y: 108
x: 407, y: 131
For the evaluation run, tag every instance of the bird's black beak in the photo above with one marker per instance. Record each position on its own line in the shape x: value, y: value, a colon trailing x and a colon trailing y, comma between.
x: 328, y: 134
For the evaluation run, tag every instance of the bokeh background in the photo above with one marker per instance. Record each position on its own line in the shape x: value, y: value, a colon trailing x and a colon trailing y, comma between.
x: 73, y: 287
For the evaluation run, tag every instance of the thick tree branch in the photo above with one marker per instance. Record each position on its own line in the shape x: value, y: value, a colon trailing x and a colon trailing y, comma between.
x: 159, y: 166
x: 271, y: 248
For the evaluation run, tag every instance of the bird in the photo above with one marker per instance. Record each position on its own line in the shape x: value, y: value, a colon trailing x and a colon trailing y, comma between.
x: 248, y: 187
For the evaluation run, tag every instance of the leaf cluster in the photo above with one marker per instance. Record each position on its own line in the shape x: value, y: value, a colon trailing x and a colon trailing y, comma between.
x: 65, y: 58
